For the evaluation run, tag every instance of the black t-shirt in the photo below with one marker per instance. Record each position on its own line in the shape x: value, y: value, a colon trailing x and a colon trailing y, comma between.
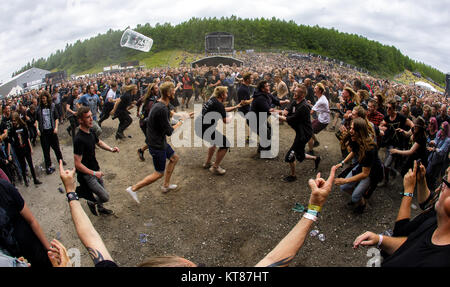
x: 16, y: 235
x: 213, y: 105
x: 158, y: 126
x: 72, y: 101
x: 244, y: 94
x: 201, y: 80
x: 6, y: 124
x: 106, y: 263
x: 18, y: 137
x: 419, y: 251
x: 391, y: 136
x: 370, y: 160
x: 299, y: 119
x: 32, y: 118
x: 84, y: 145
x: 125, y: 101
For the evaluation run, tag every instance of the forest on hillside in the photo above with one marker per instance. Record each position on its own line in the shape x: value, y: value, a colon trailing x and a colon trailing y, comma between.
x: 259, y: 34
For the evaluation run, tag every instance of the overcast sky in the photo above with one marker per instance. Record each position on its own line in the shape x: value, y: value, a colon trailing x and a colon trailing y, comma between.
x: 34, y: 29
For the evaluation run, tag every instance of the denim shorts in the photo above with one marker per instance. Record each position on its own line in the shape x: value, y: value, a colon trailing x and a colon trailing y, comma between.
x: 160, y: 157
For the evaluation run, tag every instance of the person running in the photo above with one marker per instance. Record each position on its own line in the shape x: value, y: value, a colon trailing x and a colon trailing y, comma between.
x: 187, y: 89
x: 215, y: 105
x: 262, y: 103
x: 86, y: 164
x: 109, y: 103
x: 322, y: 108
x: 19, y: 139
x: 47, y: 119
x: 92, y: 100
x: 158, y: 127
x: 298, y: 117
x: 121, y: 107
x: 147, y: 102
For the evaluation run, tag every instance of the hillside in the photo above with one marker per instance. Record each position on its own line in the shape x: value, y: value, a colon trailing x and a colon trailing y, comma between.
x: 259, y: 34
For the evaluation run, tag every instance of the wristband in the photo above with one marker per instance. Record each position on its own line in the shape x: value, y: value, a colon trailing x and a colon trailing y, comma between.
x: 408, y: 194
x: 380, y: 240
x: 94, y: 173
x: 342, y: 162
x: 313, y: 212
x: 315, y: 207
x: 310, y: 216
x: 72, y: 196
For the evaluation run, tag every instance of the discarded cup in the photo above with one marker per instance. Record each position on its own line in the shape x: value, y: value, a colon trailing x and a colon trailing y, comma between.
x: 322, y: 237
x: 135, y: 40
x: 143, y: 237
x: 314, y: 232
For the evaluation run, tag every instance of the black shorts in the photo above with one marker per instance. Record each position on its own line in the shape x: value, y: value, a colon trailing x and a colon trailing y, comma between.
x: 297, y: 151
x: 187, y: 94
x: 216, y: 139
x: 160, y: 157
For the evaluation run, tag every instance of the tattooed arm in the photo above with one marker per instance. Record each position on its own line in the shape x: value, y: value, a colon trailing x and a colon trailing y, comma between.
x: 86, y: 232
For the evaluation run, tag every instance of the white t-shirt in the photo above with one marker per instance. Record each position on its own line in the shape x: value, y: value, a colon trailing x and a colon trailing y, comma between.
x: 322, y: 108
x: 110, y: 95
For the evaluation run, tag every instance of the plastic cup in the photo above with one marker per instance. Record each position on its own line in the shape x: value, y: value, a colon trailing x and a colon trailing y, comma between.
x: 134, y: 40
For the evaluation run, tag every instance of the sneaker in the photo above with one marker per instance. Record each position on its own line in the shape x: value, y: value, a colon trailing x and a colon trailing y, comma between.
x: 207, y: 165
x: 133, y: 194
x: 119, y: 137
x: 217, y: 170
x: 316, y: 143
x: 290, y: 178
x: 316, y: 163
x: 105, y: 211
x: 169, y: 188
x: 50, y: 170
x: 141, y: 154
x: 36, y: 182
x: 92, y: 208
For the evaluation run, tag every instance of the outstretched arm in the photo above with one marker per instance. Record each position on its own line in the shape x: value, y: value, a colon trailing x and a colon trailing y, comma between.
x: 288, y: 247
x: 86, y: 232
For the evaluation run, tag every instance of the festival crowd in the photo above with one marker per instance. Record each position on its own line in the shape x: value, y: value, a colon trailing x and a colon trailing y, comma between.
x: 386, y: 131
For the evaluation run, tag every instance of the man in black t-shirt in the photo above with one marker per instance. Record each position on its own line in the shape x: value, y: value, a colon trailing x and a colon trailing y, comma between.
x: 199, y: 87
x: 393, y: 129
x: 298, y: 117
x: 158, y: 127
x: 71, y: 110
x: 120, y: 110
x: 213, y: 107
x: 89, y: 174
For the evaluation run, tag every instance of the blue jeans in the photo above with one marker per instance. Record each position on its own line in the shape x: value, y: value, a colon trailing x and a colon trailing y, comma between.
x: 358, y: 187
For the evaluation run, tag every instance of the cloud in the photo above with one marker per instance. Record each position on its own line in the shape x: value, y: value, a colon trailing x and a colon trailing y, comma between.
x: 34, y: 29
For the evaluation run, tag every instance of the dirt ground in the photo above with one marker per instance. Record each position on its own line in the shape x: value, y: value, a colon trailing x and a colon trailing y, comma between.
x: 231, y: 220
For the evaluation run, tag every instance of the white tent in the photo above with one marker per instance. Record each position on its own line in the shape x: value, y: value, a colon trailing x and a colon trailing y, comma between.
x: 15, y: 91
x: 426, y: 86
